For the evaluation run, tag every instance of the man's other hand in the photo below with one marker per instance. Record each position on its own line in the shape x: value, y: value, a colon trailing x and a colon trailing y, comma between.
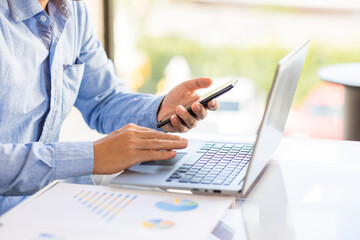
x: 182, y: 95
x: 133, y: 144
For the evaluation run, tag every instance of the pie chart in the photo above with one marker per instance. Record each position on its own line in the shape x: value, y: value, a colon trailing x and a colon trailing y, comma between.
x: 158, y: 223
x: 177, y: 205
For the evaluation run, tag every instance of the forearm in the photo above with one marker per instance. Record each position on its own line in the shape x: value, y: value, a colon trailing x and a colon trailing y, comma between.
x: 122, y: 109
x: 26, y: 168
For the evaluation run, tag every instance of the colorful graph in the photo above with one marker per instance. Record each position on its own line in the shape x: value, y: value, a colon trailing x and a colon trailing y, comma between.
x: 105, y: 205
x: 177, y: 205
x: 158, y: 223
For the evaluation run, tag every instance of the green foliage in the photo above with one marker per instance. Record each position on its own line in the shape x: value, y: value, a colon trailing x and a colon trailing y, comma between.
x: 257, y: 63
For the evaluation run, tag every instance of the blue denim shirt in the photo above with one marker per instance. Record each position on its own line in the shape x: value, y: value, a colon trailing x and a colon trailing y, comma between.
x: 48, y: 64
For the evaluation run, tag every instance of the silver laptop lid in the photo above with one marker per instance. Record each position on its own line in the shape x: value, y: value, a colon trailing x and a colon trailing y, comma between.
x: 276, y: 112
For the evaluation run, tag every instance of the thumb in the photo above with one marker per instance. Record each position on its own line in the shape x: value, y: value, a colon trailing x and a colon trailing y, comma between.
x: 195, y: 84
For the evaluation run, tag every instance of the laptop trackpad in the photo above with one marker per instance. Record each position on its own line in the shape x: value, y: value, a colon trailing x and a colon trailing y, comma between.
x: 170, y: 162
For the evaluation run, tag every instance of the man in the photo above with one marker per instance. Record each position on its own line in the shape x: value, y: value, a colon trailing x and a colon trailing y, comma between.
x: 50, y: 61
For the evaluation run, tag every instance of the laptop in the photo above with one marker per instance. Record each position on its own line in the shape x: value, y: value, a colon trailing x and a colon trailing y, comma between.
x: 223, y: 167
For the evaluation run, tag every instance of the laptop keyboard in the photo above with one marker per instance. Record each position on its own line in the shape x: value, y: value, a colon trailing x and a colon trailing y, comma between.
x: 219, y: 165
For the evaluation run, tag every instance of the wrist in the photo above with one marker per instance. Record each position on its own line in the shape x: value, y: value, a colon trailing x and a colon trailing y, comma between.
x: 159, y: 112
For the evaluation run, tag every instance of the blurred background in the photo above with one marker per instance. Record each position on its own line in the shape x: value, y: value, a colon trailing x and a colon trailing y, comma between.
x: 156, y: 44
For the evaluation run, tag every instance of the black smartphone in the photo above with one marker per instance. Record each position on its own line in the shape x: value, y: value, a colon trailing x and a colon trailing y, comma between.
x: 204, y: 99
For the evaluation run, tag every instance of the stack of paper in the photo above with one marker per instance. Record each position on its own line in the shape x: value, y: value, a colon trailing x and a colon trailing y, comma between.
x: 70, y: 211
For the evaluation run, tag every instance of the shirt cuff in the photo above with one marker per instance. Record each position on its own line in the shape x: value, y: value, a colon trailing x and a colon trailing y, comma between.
x: 73, y: 159
x: 153, y: 112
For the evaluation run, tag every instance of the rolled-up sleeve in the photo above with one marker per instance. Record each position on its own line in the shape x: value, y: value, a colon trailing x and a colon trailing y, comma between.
x: 26, y: 168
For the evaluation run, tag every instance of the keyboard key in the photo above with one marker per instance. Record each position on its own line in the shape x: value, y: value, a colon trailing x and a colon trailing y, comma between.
x: 203, y: 171
x: 206, y: 181
x: 238, y: 145
x: 205, y: 148
x: 229, y: 145
x: 211, y: 174
x: 185, y: 178
x: 218, y: 168
x: 231, y: 178
x: 199, y: 164
x: 195, y: 168
x: 220, y: 177
x: 220, y: 154
x: 207, y: 168
x: 218, y: 145
x: 196, y: 180
x: 229, y: 168
x: 213, y: 161
x: 186, y: 165
x: 218, y: 182
x: 232, y: 164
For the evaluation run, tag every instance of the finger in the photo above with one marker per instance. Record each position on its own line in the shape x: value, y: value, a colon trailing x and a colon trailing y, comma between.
x: 162, y: 144
x: 213, y: 105
x: 195, y: 84
x: 199, y: 111
x: 159, y: 135
x: 189, y: 120
x: 149, y: 155
x: 179, y: 127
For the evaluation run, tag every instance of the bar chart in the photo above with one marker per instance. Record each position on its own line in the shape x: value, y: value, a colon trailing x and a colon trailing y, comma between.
x: 106, y: 205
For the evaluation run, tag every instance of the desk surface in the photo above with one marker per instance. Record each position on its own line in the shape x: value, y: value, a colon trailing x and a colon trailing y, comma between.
x: 310, y: 191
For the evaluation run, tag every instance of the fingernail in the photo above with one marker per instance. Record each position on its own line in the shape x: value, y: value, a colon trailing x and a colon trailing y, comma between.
x: 211, y: 105
x: 182, y: 109
x: 196, y: 107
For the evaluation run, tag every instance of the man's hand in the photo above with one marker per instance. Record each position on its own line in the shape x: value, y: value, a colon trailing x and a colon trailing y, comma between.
x: 182, y: 95
x: 133, y: 144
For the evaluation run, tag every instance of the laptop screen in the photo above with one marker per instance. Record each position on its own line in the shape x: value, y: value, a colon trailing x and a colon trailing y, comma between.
x: 276, y: 112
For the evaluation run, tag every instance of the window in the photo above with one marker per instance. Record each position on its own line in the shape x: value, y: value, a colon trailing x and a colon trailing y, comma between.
x: 159, y: 43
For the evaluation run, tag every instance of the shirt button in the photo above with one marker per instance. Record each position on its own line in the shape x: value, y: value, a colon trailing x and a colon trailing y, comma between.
x: 43, y: 18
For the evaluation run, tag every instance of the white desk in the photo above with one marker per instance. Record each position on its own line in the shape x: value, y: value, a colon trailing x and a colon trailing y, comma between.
x: 310, y: 191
